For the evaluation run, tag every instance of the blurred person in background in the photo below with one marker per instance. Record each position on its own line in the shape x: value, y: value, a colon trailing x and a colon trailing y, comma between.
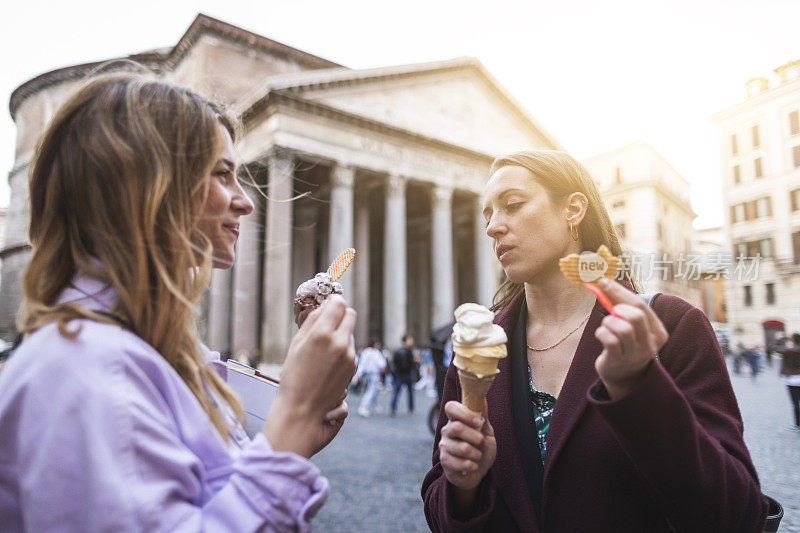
x: 790, y: 369
x: 370, y: 365
x: 403, y: 366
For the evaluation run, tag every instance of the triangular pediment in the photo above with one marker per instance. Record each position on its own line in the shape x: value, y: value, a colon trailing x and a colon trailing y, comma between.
x: 455, y: 101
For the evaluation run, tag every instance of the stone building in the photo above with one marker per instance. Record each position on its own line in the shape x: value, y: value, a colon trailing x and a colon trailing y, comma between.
x: 710, y: 244
x: 388, y: 160
x: 648, y: 202
x: 2, y: 236
x: 760, y: 141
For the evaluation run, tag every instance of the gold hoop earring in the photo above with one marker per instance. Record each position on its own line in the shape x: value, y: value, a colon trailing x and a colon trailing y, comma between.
x: 573, y: 232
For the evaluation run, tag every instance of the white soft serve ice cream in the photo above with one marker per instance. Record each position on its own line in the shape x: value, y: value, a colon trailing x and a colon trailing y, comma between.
x: 474, y: 327
x: 478, y: 344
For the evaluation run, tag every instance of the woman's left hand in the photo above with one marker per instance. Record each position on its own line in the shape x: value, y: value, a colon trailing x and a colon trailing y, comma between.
x: 630, y: 342
x: 330, y: 426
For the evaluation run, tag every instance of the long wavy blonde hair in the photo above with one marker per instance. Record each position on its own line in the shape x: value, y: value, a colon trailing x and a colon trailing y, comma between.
x: 561, y: 175
x: 117, y: 187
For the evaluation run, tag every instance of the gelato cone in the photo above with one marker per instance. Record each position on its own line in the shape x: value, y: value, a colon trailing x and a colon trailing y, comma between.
x: 311, y: 293
x: 478, y: 345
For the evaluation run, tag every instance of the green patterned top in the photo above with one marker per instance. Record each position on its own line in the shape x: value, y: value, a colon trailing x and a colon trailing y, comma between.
x: 543, y: 404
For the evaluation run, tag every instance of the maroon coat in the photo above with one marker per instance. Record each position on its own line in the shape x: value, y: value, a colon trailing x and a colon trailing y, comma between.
x: 667, y: 457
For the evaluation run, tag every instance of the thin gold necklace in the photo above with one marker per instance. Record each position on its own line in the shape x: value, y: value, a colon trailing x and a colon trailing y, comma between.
x: 531, y: 348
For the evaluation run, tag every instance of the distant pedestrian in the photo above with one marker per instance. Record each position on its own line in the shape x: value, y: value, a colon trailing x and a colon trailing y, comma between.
x: 738, y: 357
x: 386, y: 376
x: 370, y: 365
x: 751, y: 357
x: 790, y: 368
x: 403, y: 363
x: 427, y: 374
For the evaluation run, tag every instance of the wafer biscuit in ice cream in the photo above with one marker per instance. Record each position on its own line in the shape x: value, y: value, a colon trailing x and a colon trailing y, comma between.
x: 478, y: 346
x: 340, y: 264
x: 586, y: 268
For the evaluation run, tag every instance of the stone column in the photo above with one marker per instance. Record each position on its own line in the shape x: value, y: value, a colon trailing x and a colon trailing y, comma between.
x: 245, y: 299
x: 394, y: 262
x: 15, y: 252
x: 361, y: 272
x: 484, y: 258
x: 340, y: 228
x: 442, y: 256
x: 219, y: 310
x: 278, y: 292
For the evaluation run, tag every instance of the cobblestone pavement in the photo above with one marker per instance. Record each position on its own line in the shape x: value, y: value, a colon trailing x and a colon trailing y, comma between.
x: 772, y: 438
x: 376, y: 465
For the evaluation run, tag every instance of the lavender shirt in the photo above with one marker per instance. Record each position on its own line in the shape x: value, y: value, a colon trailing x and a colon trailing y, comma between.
x: 100, y: 433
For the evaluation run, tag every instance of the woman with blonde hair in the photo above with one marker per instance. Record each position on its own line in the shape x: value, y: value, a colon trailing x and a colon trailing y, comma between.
x: 113, y: 414
x: 585, y: 428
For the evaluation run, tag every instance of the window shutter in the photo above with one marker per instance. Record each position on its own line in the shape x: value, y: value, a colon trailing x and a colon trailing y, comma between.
x: 750, y: 210
x: 796, y: 246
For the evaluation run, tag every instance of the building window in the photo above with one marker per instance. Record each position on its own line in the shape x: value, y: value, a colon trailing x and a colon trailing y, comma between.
x: 794, y: 199
x: 765, y: 248
x: 758, y: 168
x: 796, y: 155
x: 618, y: 176
x: 756, y: 139
x: 741, y: 250
x: 738, y: 213
x: 748, y: 296
x: 659, y: 230
x: 770, y: 293
x: 734, y: 145
x: 794, y: 123
x: 750, y: 210
x: 764, y: 207
x: 737, y: 174
x: 796, y: 246
x: 618, y: 204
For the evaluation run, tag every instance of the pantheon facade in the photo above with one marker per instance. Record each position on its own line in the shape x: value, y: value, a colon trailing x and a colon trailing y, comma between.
x: 390, y: 161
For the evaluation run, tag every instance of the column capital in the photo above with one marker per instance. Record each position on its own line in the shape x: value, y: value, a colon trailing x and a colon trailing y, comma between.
x: 343, y: 175
x: 281, y: 161
x: 442, y: 194
x: 396, y: 185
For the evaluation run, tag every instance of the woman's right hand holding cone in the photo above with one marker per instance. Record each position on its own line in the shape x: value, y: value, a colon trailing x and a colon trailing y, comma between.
x: 467, y: 450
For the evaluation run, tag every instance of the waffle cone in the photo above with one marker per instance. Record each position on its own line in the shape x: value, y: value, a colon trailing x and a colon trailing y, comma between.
x: 474, y: 389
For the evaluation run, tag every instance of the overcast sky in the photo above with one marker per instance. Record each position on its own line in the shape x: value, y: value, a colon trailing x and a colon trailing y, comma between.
x: 597, y: 75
